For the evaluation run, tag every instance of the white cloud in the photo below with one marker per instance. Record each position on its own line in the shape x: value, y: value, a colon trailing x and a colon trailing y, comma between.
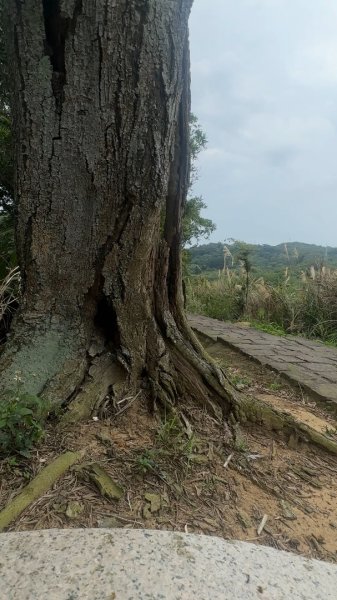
x: 264, y: 86
x: 206, y: 67
x: 270, y: 130
x: 213, y: 153
x: 316, y: 65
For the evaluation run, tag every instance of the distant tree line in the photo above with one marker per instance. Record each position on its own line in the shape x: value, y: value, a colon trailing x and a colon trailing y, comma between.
x: 265, y: 259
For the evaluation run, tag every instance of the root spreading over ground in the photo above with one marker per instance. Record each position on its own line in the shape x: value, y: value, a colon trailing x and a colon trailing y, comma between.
x: 191, y: 474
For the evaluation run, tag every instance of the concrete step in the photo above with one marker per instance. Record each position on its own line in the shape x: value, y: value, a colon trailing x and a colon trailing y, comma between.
x: 107, y: 564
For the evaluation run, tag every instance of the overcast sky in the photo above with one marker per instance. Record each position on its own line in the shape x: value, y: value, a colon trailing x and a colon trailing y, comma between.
x: 264, y: 87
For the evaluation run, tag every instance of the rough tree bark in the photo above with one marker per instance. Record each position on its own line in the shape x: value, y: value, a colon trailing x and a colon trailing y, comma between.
x: 101, y: 106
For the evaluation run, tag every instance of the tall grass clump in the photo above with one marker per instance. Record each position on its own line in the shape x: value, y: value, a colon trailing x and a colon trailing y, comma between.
x: 318, y: 316
x: 9, y: 300
x: 220, y: 299
x: 304, y: 304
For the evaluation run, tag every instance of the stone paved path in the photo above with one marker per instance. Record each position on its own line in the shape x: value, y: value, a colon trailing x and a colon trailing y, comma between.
x: 310, y: 364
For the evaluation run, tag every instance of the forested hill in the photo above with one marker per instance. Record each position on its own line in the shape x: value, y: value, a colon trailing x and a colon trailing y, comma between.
x: 264, y: 258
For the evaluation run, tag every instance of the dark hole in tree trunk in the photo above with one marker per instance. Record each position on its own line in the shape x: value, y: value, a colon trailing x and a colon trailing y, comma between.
x: 106, y: 321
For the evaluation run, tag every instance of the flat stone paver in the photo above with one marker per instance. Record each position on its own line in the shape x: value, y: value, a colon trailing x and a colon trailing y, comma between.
x: 310, y: 364
x: 102, y: 564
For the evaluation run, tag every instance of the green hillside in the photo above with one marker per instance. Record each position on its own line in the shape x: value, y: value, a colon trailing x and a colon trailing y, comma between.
x: 266, y: 260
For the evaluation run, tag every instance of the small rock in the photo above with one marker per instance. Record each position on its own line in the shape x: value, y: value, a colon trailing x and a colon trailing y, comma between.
x: 74, y: 510
x: 60, y: 507
x: 287, y: 512
x: 244, y: 519
x: 200, y: 459
x: 109, y: 523
x: 147, y: 512
x: 105, y: 438
x: 155, y: 502
x: 106, y: 485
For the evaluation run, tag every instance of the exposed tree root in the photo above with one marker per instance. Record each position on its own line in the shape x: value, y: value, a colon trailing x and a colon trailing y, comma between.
x: 39, y: 486
x: 105, y: 377
x: 185, y: 370
x: 189, y: 372
x: 178, y: 368
x: 248, y: 409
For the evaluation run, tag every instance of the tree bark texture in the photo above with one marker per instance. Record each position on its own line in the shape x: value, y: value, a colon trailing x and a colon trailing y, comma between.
x: 101, y: 106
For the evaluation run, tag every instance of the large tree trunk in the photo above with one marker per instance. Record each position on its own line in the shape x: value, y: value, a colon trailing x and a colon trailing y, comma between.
x: 101, y: 107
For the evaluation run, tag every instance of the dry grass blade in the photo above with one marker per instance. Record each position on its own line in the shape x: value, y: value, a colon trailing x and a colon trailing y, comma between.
x: 130, y: 400
x: 9, y: 292
x: 262, y: 524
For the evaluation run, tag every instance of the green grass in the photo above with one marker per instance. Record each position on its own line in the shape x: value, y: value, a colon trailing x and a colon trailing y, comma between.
x: 330, y: 342
x: 146, y: 462
x: 173, y: 445
x: 276, y: 386
x: 271, y: 328
x: 240, y: 381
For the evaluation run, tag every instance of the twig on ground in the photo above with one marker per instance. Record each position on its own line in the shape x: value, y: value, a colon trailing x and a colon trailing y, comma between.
x: 228, y: 461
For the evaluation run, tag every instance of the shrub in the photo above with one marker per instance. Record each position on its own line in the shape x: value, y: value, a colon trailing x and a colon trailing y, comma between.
x: 21, y: 422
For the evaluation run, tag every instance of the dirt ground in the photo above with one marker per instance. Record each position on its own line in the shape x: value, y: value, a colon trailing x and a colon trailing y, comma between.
x: 258, y: 488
